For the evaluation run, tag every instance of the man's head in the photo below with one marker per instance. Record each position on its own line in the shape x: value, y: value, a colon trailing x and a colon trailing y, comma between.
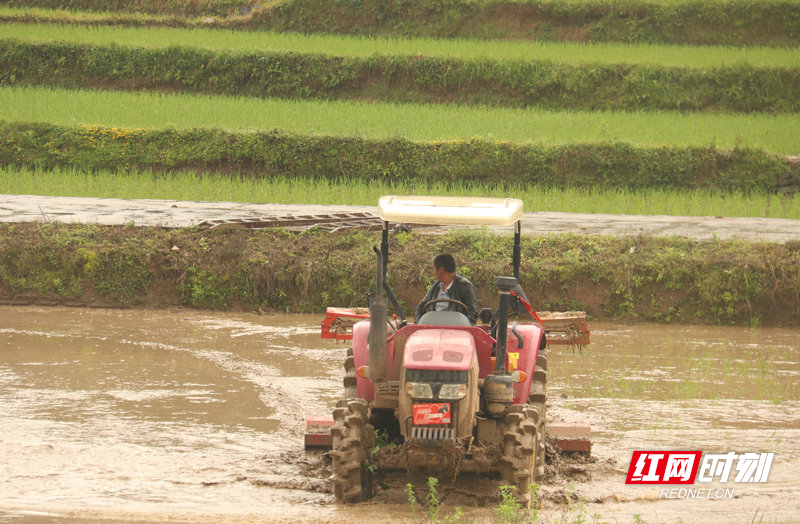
x: 444, y: 267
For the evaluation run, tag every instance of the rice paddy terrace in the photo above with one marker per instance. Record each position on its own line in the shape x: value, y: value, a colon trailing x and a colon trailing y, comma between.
x: 538, y: 108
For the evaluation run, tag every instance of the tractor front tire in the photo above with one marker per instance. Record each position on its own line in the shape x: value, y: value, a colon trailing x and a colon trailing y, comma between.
x: 520, y: 450
x: 352, y: 440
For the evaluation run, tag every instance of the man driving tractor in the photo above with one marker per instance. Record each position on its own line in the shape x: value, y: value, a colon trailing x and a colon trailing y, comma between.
x: 452, y: 286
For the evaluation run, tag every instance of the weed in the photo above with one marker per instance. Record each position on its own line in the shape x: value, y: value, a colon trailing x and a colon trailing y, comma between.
x: 533, y: 490
x: 382, y: 440
x: 412, y: 498
x: 509, y: 510
x: 121, y: 273
x: 574, y: 513
x: 432, y: 503
x: 204, y: 289
x: 771, y: 443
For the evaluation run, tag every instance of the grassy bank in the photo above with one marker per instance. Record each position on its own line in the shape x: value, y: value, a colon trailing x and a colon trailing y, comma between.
x: 545, y: 76
x: 269, y: 154
x: 636, y: 278
x: 723, y: 22
x: 190, y: 186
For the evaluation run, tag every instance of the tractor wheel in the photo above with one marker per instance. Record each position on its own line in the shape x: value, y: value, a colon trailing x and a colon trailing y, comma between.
x: 537, y: 399
x: 350, y: 384
x: 352, y: 440
x: 520, y: 450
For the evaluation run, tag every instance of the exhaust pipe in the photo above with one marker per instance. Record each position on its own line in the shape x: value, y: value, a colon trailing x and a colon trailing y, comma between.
x: 498, y: 388
x: 504, y: 285
x: 378, y: 317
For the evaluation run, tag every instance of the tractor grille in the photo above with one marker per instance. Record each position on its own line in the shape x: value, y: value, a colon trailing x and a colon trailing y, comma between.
x: 435, y: 434
x: 428, y: 433
x: 432, y: 375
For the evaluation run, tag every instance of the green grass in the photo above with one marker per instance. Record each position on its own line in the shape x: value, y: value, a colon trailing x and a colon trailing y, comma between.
x: 775, y: 133
x: 572, y: 53
x: 281, y: 190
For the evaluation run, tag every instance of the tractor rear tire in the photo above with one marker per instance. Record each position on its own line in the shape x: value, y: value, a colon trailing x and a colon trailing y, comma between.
x: 350, y: 380
x: 352, y: 440
x: 520, y: 450
x: 537, y: 399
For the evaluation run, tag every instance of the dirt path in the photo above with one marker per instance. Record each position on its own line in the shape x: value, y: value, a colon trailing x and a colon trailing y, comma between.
x: 173, y: 213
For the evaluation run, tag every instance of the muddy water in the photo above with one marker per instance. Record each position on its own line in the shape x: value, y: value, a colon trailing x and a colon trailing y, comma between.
x: 192, y: 416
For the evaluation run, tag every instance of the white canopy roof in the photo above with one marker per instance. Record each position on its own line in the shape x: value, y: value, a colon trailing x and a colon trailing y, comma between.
x: 437, y: 210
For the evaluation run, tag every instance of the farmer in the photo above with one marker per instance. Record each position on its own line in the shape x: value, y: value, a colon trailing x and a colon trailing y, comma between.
x: 449, y: 285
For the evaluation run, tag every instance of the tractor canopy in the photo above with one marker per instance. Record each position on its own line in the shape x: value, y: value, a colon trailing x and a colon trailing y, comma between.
x: 434, y: 210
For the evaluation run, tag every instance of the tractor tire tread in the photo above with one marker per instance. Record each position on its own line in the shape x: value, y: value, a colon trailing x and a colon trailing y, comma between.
x: 353, y: 438
x: 520, y: 447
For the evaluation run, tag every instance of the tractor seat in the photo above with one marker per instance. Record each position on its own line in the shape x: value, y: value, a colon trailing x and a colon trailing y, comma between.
x: 444, y: 318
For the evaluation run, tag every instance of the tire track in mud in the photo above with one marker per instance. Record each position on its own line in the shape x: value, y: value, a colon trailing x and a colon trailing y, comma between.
x: 286, y: 467
x: 302, y: 477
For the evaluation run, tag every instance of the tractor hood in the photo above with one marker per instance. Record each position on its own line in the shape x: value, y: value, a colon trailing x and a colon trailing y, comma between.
x: 439, y: 349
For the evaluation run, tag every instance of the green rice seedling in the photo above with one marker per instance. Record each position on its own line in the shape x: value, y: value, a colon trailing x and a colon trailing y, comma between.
x: 361, y: 46
x: 422, y: 123
x: 191, y: 186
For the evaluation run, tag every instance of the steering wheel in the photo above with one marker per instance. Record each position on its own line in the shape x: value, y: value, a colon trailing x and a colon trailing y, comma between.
x: 451, y: 300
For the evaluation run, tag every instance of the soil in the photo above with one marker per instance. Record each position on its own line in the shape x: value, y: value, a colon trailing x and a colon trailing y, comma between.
x: 189, y: 416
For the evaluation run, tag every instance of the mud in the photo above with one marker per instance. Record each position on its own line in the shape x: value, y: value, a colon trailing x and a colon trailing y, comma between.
x: 188, y: 416
x: 172, y: 213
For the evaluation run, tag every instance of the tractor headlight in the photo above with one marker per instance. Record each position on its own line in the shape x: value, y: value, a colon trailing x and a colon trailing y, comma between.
x: 453, y: 391
x: 418, y: 390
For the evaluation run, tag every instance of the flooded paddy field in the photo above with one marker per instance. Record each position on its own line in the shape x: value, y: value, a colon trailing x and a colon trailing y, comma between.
x: 151, y: 416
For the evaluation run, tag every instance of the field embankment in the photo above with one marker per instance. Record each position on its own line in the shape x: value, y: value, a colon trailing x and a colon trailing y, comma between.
x: 631, y: 278
x: 694, y: 22
x: 556, y: 77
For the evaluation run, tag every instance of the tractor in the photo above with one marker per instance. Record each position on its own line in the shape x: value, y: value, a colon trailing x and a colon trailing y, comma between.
x: 454, y: 397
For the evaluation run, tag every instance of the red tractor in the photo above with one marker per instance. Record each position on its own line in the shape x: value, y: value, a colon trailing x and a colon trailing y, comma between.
x: 452, y: 396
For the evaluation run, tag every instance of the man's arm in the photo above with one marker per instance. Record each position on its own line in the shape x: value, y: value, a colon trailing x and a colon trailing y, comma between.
x: 472, y: 303
x: 469, y: 296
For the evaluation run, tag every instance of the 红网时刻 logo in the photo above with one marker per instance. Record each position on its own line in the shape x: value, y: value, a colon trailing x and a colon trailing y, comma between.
x: 689, y: 467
